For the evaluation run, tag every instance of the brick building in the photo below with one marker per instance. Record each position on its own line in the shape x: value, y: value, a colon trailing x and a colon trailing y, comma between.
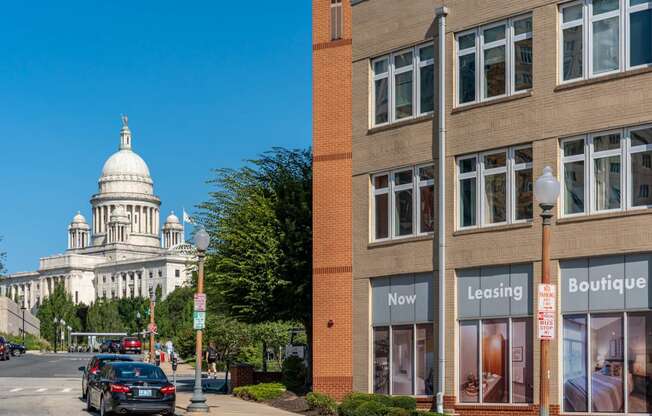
x: 526, y: 85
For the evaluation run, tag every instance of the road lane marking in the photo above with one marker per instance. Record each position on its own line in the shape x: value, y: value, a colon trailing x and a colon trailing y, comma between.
x: 15, y: 390
x: 41, y: 390
x: 68, y: 390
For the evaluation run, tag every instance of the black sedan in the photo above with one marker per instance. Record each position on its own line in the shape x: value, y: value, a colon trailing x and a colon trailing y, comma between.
x: 124, y: 387
x: 96, y: 364
x: 17, y: 349
x: 110, y: 345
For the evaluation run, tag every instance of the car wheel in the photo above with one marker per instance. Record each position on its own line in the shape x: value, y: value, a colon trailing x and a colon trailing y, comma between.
x: 89, y: 405
x: 15, y: 353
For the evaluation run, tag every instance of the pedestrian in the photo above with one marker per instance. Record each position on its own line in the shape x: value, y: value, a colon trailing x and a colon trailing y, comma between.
x: 169, y: 348
x: 211, y: 359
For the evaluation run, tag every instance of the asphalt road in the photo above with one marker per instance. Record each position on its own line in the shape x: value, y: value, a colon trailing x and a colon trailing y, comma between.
x: 42, y: 385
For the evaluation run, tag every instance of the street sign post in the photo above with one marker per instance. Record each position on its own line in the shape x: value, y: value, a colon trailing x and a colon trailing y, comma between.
x: 199, y: 320
x: 152, y: 328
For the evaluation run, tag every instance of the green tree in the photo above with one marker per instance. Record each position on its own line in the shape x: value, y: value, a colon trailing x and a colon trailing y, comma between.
x: 103, y: 316
x: 273, y: 336
x: 174, y: 314
x: 58, y: 305
x: 128, y: 308
x: 260, y: 221
x: 230, y: 336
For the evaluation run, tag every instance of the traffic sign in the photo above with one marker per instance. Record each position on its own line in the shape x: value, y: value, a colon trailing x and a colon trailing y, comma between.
x: 199, y: 320
x: 200, y: 302
x: 547, y: 298
x: 546, y: 325
x: 152, y: 328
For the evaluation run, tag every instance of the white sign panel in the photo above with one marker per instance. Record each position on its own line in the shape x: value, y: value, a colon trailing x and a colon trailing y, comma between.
x: 546, y: 324
x: 200, y: 302
x: 547, y: 298
x: 199, y: 320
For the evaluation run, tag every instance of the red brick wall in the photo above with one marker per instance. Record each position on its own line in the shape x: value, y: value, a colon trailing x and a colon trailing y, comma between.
x: 332, y: 246
x: 483, y: 410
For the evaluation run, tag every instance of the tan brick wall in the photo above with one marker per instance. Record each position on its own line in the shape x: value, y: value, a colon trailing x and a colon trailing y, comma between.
x: 542, y: 118
x: 332, y: 253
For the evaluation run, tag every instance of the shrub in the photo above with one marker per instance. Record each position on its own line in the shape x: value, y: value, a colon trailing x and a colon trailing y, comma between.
x: 398, y: 411
x: 371, y: 408
x: 260, y: 392
x: 322, y: 403
x: 404, y: 402
x: 350, y: 405
x: 425, y: 413
x: 294, y: 374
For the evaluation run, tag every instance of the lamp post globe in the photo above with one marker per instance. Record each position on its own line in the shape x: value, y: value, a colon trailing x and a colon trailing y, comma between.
x: 202, y: 240
x: 546, y: 188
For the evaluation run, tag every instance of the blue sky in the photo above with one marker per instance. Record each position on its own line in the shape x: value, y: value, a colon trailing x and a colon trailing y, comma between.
x: 206, y: 84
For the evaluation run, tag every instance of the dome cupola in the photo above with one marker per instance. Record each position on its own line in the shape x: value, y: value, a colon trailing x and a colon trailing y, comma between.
x: 172, y: 231
x: 78, y: 232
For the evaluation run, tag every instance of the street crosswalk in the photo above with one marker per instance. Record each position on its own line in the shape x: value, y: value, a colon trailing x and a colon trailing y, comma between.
x: 42, y: 390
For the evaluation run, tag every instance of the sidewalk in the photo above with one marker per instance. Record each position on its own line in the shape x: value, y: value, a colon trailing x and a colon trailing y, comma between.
x: 224, y: 405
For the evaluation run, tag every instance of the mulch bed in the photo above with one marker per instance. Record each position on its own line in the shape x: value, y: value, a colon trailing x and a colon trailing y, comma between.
x: 290, y: 402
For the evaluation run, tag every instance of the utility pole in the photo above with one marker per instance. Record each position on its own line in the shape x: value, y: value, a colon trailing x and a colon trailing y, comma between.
x: 152, y: 323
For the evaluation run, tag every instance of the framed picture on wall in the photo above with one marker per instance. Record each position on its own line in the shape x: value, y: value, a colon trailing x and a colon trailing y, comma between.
x: 517, y: 354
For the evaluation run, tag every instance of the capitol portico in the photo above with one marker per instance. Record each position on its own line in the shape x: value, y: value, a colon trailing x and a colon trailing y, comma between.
x: 124, y: 252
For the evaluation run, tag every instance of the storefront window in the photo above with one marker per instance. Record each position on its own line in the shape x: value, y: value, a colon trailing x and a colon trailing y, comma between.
x: 607, y: 334
x: 639, y: 359
x: 403, y: 341
x: 522, y: 365
x: 381, y: 360
x: 495, y: 350
x: 618, y: 363
x: 469, y: 382
x: 425, y: 360
x: 575, y: 397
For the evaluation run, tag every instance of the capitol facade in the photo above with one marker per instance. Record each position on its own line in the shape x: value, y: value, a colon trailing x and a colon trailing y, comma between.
x: 123, y: 251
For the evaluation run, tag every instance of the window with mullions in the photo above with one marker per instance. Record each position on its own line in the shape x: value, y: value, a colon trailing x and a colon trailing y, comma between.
x: 403, y: 202
x: 495, y: 186
x: 403, y: 84
x: 607, y: 366
x: 495, y: 57
x: 607, y: 171
x: 592, y: 34
x: 501, y: 351
x: 336, y: 19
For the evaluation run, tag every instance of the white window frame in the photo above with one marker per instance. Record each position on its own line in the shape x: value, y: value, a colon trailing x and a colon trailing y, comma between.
x: 626, y: 176
x: 395, y: 72
x: 604, y: 16
x: 339, y: 27
x: 479, y: 174
x: 491, y: 45
x: 423, y: 184
x: 629, y: 151
x: 516, y: 167
x: 478, y: 50
x: 423, y: 64
x: 391, y: 191
x: 375, y: 192
x: 593, y: 156
x: 575, y: 158
x: 391, y: 73
x: 394, y: 191
x: 628, y: 13
x: 624, y: 42
x: 377, y: 77
x: 512, y: 50
x: 569, y: 25
x: 484, y: 172
x: 463, y: 52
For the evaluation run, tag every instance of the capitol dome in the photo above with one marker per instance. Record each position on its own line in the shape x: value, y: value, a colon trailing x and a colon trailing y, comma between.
x: 125, y: 171
x: 172, y: 219
x: 79, y: 219
x: 125, y: 163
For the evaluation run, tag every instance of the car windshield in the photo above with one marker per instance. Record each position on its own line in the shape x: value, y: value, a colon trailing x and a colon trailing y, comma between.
x: 131, y: 339
x: 103, y: 361
x: 139, y: 371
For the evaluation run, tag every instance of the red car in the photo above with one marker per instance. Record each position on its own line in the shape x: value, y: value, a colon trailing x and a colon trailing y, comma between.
x: 130, y: 345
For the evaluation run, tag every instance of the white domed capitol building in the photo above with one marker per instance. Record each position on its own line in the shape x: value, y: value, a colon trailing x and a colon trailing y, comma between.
x: 123, y: 251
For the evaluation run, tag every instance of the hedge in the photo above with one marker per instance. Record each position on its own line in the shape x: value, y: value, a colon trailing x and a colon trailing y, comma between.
x: 260, y: 392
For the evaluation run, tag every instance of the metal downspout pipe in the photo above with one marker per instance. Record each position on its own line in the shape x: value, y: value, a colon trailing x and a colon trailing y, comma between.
x: 441, y: 13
